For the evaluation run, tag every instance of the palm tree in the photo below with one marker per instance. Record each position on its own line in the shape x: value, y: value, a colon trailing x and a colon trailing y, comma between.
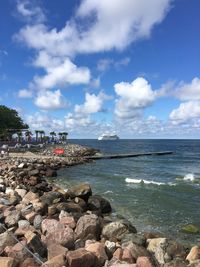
x: 36, y: 135
x: 60, y: 136
x: 65, y: 134
x: 42, y: 134
x: 28, y: 135
x: 19, y: 135
x: 53, y: 134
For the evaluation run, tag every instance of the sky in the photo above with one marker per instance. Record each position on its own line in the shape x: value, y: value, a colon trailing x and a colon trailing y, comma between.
x: 130, y: 67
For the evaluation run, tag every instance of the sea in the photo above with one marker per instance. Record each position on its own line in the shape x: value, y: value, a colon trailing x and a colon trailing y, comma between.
x: 155, y: 193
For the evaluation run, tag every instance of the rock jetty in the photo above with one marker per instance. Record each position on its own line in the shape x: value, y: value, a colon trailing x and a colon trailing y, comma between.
x: 44, y: 225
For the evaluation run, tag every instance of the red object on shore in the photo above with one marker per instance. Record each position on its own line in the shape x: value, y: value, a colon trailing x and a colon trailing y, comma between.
x: 59, y: 151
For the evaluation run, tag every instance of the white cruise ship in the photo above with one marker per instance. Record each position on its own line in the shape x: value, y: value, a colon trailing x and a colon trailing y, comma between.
x: 107, y: 136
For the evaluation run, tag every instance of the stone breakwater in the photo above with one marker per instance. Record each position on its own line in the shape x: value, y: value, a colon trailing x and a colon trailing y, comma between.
x: 71, y: 227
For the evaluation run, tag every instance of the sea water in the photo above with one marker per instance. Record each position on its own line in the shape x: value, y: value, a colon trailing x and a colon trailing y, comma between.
x: 156, y: 193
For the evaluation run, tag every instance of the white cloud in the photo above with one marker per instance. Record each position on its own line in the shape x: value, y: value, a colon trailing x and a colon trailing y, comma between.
x: 61, y: 73
x: 43, y: 121
x: 93, y: 103
x: 133, y: 97
x: 130, y: 21
x: 105, y: 63
x: 29, y: 12
x: 189, y: 91
x: 51, y: 100
x: 25, y: 93
x: 185, y: 112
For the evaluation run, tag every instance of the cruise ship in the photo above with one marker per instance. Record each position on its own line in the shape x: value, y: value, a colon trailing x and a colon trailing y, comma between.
x: 107, y: 136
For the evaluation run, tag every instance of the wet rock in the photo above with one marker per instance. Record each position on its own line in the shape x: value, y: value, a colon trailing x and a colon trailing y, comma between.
x: 88, y: 227
x: 194, y: 254
x: 50, y: 173
x: 190, y: 229
x: 115, y: 231
x: 56, y: 250
x: 83, y: 191
x: 80, y: 257
x: 158, y: 246
x: 134, y: 238
x: 97, y: 202
x: 98, y: 249
x: 52, y: 197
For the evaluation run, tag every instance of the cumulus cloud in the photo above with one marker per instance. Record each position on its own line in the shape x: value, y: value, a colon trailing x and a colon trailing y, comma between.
x: 130, y: 21
x: 105, y: 63
x: 133, y: 97
x: 51, y: 100
x: 185, y: 112
x: 189, y: 91
x: 43, y: 121
x: 25, y: 93
x: 29, y: 11
x: 60, y: 73
x: 93, y: 103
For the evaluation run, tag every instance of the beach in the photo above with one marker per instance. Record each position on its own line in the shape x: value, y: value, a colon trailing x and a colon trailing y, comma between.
x: 72, y: 226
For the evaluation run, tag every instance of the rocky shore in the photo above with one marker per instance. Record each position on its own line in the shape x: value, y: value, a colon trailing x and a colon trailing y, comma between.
x: 44, y: 225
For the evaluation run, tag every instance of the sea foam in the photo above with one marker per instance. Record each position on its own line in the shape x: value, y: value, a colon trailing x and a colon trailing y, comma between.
x: 141, y: 181
x: 189, y: 177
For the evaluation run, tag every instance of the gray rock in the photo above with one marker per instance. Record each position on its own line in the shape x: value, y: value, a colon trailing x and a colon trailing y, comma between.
x: 115, y: 231
x: 23, y: 223
x: 37, y: 221
x: 13, y: 218
x: 97, y: 202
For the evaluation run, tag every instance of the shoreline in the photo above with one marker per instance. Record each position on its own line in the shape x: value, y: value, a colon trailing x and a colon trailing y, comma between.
x: 72, y: 227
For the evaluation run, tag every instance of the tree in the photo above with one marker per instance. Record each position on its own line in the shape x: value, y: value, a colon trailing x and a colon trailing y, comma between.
x: 53, y: 134
x: 36, y: 135
x: 10, y: 122
x: 28, y: 135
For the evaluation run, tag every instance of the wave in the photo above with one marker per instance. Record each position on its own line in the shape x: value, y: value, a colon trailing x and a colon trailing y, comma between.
x: 189, y: 177
x: 141, y: 181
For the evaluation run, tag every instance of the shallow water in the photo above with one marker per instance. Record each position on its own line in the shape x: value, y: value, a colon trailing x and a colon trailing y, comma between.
x: 156, y: 193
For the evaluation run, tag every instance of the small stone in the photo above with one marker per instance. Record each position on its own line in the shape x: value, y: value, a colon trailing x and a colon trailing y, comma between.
x: 23, y: 223
x: 37, y: 221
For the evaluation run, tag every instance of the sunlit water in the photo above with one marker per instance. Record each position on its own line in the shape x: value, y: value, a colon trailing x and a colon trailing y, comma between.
x: 156, y: 193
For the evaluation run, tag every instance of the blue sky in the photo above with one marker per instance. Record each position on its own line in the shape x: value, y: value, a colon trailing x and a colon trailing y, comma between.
x: 88, y: 67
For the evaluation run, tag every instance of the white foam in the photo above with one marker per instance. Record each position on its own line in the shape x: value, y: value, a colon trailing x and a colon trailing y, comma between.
x: 189, y: 177
x: 141, y: 181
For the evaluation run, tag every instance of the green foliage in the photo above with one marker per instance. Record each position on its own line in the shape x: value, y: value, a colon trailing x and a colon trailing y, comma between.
x: 10, y: 122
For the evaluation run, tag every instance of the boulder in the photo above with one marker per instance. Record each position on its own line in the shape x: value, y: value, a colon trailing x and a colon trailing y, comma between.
x: 58, y: 261
x: 50, y: 173
x: 158, y: 246
x: 115, y: 231
x: 99, y: 203
x: 7, y: 262
x: 137, y: 251
x: 190, y: 229
x: 13, y: 218
x: 35, y: 244
x: 81, y: 257
x: 68, y: 221
x: 18, y: 251
x: 29, y: 262
x: 88, y: 227
x: 56, y: 250
x: 69, y: 207
x: 37, y: 222
x: 98, y: 249
x: 127, y: 256
x: 144, y: 262
x: 134, y: 238
x: 176, y: 263
x: 21, y: 192
x: 51, y: 225
x: 51, y: 197
x: 29, y: 197
x: 6, y: 240
x: 83, y: 191
x: 194, y: 254
x: 64, y: 237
